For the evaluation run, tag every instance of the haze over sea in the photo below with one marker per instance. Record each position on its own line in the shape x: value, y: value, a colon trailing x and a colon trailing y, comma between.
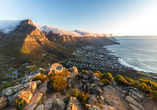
x: 137, y: 52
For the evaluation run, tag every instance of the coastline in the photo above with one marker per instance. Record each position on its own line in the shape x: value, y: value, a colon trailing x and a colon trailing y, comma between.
x: 153, y: 74
x: 120, y: 60
x: 133, y: 67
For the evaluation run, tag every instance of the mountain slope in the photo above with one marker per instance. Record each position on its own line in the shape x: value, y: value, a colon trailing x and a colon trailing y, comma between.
x: 76, y: 42
x: 27, y: 41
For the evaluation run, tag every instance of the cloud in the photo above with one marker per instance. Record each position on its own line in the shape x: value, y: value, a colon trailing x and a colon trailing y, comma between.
x: 75, y: 33
x: 8, y: 25
x: 85, y: 33
x: 48, y: 28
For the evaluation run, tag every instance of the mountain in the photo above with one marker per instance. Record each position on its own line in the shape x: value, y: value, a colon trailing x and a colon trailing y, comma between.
x: 31, y: 40
x: 26, y: 39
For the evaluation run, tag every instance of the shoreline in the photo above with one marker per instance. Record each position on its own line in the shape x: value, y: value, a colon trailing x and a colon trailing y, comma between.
x: 119, y: 59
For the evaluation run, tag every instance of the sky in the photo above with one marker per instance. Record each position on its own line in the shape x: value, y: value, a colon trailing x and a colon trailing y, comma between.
x: 117, y: 17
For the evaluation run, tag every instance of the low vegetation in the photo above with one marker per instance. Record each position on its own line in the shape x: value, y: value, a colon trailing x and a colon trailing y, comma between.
x: 58, y: 82
x: 146, y: 86
x: 20, y: 104
x: 83, y: 97
x: 121, y: 80
x: 105, y: 78
x: 42, y: 77
x: 73, y: 93
x: 9, y: 84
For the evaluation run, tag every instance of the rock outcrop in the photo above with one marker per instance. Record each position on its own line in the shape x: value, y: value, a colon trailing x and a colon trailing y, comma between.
x: 101, y: 97
x: 74, y: 104
x: 3, y: 102
x: 22, y: 95
x: 55, y: 68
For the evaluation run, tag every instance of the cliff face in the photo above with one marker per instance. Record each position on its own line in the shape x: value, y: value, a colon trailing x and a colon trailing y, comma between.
x: 26, y: 31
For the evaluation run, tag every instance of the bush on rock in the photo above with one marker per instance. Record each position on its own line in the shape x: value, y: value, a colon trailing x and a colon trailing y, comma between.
x: 83, y: 97
x: 58, y: 82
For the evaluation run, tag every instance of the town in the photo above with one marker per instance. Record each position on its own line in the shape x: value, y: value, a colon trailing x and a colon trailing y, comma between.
x: 97, y: 58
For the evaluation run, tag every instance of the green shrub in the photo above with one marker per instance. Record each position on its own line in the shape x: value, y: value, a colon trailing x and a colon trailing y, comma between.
x: 20, y: 104
x: 129, y: 80
x: 57, y: 81
x: 100, y: 74
x: 108, y: 76
x: 41, y: 77
x: 148, y: 87
x: 75, y: 93
x: 105, y: 81
x: 149, y: 83
x: 145, y: 88
x: 83, y: 97
x: 121, y: 80
x: 154, y: 95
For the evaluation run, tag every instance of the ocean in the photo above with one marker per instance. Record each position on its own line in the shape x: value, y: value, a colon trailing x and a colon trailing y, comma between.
x: 137, y: 52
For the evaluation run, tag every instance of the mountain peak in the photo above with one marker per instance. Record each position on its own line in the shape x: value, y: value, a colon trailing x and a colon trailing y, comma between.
x: 28, y: 21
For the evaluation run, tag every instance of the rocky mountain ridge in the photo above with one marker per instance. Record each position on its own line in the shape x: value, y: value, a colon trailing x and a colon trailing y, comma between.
x: 27, y: 40
x: 39, y: 96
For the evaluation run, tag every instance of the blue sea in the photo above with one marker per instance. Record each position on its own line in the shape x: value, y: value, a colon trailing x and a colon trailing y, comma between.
x: 137, y: 52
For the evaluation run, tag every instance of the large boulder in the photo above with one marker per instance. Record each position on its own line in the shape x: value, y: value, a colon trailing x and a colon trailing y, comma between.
x: 94, y: 78
x: 40, y: 107
x: 74, y: 104
x: 31, y: 86
x: 96, y: 90
x: 33, y: 102
x: 60, y: 104
x: 43, y: 87
x: 92, y: 101
x: 92, y: 107
x: 133, y: 107
x: 3, y: 102
x: 134, y: 102
x: 137, y: 93
x: 56, y: 68
x: 134, y: 96
x: 48, y: 104
x: 22, y: 95
x: 30, y: 77
x: 27, y: 79
x: 74, y: 70
x: 107, y: 107
x: 7, y: 92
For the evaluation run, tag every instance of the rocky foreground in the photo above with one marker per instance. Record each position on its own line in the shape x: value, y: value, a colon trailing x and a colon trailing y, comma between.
x: 39, y: 96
